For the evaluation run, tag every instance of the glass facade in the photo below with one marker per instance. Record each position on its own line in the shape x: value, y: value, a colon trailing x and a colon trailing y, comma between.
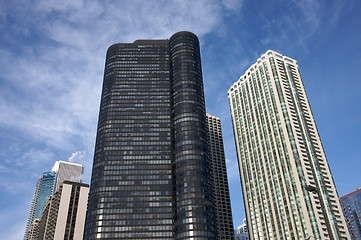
x: 194, y: 215
x: 280, y: 153
x: 151, y: 177
x: 351, y: 204
x: 43, y: 190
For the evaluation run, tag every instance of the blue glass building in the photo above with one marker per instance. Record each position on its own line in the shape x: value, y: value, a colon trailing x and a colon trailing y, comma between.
x: 43, y: 190
x: 351, y: 204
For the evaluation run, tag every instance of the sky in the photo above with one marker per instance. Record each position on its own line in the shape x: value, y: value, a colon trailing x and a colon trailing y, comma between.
x: 52, y: 56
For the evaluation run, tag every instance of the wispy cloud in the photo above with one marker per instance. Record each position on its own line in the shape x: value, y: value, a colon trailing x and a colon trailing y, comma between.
x: 51, y: 68
x: 52, y: 83
x: 232, y: 4
x: 232, y: 170
x: 79, y: 155
x: 24, y: 162
x: 16, y: 229
x: 296, y: 24
x: 4, y: 169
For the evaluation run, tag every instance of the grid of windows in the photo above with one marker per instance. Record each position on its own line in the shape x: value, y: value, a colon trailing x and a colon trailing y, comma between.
x: 151, y: 177
x: 133, y: 147
x: 351, y: 204
x: 222, y: 203
x: 194, y: 215
x: 63, y: 215
x: 43, y: 190
x: 279, y: 153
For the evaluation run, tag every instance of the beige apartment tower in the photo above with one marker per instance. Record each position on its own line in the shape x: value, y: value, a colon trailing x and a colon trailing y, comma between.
x: 64, y: 214
x: 288, y: 189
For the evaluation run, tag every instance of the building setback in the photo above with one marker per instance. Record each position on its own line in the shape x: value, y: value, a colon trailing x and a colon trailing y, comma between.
x: 351, y: 204
x: 151, y: 174
x: 222, y: 203
x: 287, y: 185
x: 64, y: 214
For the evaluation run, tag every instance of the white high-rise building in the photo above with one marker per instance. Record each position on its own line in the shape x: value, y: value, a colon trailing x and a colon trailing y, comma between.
x: 67, y: 171
x: 288, y: 189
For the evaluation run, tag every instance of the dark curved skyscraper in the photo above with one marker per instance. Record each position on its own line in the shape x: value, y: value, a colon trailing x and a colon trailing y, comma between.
x: 194, y: 210
x: 151, y: 174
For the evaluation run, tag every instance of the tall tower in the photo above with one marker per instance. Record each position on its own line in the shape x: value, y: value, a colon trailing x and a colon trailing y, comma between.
x: 222, y: 202
x: 43, y: 190
x: 151, y: 176
x: 288, y: 189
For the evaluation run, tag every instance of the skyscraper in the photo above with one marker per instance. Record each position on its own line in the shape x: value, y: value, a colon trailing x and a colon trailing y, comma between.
x: 222, y: 202
x: 64, y: 214
x: 151, y: 172
x: 43, y: 190
x: 46, y: 186
x: 287, y: 185
x: 351, y: 204
x: 67, y: 171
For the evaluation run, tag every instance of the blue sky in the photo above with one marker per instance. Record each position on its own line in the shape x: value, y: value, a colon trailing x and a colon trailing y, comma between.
x: 52, y: 60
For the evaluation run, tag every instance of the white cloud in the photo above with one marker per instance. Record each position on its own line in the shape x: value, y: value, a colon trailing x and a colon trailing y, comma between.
x: 299, y: 22
x: 27, y: 163
x: 232, y: 170
x: 4, y: 169
x: 310, y: 10
x: 232, y: 4
x: 51, y: 69
x: 77, y: 156
x: 62, y: 6
x: 16, y: 229
x: 53, y: 84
